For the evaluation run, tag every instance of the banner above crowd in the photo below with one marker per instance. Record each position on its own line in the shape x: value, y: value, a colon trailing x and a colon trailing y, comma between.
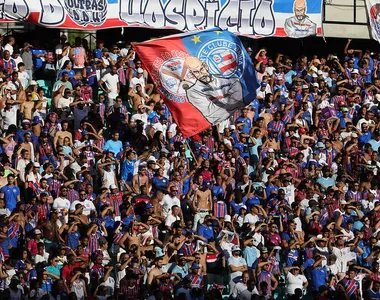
x: 204, y: 77
x: 254, y: 18
x: 373, y: 9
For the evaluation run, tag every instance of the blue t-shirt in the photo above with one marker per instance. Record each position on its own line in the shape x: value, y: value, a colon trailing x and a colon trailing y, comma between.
x: 10, y: 196
x: 159, y: 184
x: 37, y: 61
x: 326, y: 182
x: 375, y: 144
x: 73, y: 239
x: 247, y: 124
x: 205, y: 231
x: 319, y: 276
x: 71, y: 73
x: 113, y: 146
x: 127, y: 169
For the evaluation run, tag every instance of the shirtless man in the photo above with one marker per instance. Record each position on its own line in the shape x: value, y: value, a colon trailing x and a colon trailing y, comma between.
x: 50, y: 230
x: 27, y: 107
x: 202, y: 204
x: 155, y: 201
x: 60, y: 135
x: 28, y: 145
x: 155, y: 273
x: 141, y: 178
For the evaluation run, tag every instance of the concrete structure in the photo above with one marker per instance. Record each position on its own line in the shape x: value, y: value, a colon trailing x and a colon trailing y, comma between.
x: 346, y: 19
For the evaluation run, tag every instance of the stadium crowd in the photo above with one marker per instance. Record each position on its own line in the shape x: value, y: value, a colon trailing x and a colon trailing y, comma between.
x: 101, y: 197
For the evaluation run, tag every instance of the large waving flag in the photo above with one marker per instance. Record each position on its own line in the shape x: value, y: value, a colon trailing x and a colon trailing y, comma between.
x: 203, y: 76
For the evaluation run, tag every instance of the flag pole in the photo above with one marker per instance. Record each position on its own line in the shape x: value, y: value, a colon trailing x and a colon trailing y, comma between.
x: 192, y: 153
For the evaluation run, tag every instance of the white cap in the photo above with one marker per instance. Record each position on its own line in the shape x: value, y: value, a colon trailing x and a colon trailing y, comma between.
x: 314, y: 75
x: 232, y: 127
x: 355, y: 71
x: 113, y: 186
x: 270, y: 150
x: 377, y: 97
x: 36, y: 164
x: 316, y: 84
x: 235, y: 248
x: 314, y: 69
x: 244, y: 206
x: 319, y: 236
x: 33, y: 82
x: 320, y: 72
x: 227, y: 218
x: 305, y: 86
x: 140, y: 71
x: 37, y: 231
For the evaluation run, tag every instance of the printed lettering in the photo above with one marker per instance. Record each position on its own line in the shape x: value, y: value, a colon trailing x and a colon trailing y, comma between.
x: 263, y: 21
x: 17, y: 10
x: 85, y: 12
x: 154, y: 14
x: 211, y: 8
x: 247, y: 9
x: 131, y: 11
x: 174, y: 14
x: 52, y: 13
x: 195, y: 14
x: 229, y: 16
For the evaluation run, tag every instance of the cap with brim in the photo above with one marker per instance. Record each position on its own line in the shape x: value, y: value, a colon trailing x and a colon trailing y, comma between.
x: 37, y: 231
x: 148, y: 205
x: 105, y: 50
x: 344, y: 109
x: 164, y: 150
x: 227, y: 218
x: 36, y: 165
x: 235, y: 248
x: 113, y: 186
x: 264, y: 250
x: 195, y: 266
x: 25, y: 121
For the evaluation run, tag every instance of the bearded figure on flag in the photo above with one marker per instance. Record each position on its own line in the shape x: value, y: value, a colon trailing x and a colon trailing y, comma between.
x: 214, y: 96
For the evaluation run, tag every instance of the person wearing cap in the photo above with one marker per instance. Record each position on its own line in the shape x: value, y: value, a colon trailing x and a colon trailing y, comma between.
x: 237, y: 265
x: 197, y: 281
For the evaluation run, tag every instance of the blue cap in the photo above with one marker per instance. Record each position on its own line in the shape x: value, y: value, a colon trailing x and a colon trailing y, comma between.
x: 148, y: 205
x: 263, y: 84
x: 84, y: 132
x: 127, y: 144
x: 249, y: 49
x: 36, y: 120
x: 195, y: 266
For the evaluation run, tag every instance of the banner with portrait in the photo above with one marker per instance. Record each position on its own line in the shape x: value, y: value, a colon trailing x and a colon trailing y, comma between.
x: 253, y: 18
x: 373, y: 9
x: 203, y: 76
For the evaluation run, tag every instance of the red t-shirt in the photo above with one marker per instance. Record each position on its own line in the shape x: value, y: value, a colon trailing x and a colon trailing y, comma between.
x: 66, y: 272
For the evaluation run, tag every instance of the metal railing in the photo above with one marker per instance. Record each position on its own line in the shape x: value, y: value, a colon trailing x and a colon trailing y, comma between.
x: 356, y: 5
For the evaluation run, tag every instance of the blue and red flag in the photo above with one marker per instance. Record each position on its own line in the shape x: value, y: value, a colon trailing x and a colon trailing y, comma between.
x: 203, y: 76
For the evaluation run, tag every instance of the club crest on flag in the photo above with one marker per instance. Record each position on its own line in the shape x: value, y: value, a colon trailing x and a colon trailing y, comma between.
x: 204, y: 77
x: 223, y: 57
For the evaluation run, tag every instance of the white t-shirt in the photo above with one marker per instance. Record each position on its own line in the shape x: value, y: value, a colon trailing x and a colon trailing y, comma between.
x: 167, y: 203
x: 111, y: 82
x: 136, y: 80
x: 9, y: 117
x: 88, y: 206
x: 170, y: 219
x: 294, y: 282
x: 236, y: 262
x: 61, y: 203
x: 251, y: 219
x: 64, y: 102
